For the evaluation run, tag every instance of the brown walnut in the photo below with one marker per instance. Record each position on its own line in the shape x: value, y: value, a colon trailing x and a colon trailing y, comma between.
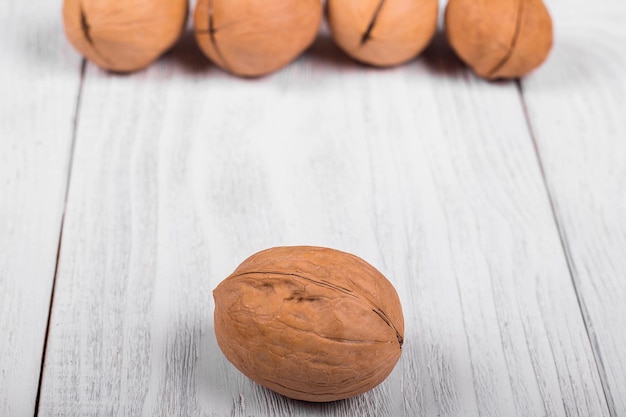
x: 255, y: 37
x: 124, y: 35
x: 382, y: 32
x: 310, y: 323
x: 499, y: 38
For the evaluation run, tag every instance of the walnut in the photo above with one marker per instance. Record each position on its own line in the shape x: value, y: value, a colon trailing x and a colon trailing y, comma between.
x: 255, y: 37
x: 499, y: 38
x: 124, y: 35
x: 382, y: 32
x: 310, y: 323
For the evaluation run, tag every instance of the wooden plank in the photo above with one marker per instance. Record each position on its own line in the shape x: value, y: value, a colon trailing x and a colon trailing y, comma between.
x: 576, y: 107
x: 428, y: 173
x: 39, y: 82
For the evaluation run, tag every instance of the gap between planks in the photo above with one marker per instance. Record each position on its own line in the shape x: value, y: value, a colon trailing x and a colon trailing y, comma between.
x: 566, y: 252
x: 58, y: 254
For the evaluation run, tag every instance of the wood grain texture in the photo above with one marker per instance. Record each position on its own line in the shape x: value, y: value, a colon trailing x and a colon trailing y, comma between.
x: 39, y: 81
x: 426, y: 172
x: 576, y: 105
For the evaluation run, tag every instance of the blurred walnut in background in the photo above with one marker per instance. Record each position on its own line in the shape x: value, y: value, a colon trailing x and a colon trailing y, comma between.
x: 382, y: 32
x: 255, y: 37
x: 499, y: 38
x: 124, y: 35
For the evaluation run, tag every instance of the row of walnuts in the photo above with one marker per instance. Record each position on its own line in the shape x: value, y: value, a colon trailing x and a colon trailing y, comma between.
x: 496, y: 38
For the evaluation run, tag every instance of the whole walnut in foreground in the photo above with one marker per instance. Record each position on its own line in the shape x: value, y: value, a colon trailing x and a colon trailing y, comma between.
x: 255, y: 37
x: 124, y: 35
x: 382, y: 32
x: 499, y: 38
x: 310, y: 323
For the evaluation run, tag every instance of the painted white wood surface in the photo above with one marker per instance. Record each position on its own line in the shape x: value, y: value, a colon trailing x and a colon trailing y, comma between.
x: 39, y: 81
x: 577, y: 106
x: 181, y: 171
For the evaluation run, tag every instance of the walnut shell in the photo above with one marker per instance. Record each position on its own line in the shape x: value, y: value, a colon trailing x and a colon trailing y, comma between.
x: 124, y: 35
x: 255, y: 37
x: 382, y: 32
x: 310, y: 323
x: 499, y: 38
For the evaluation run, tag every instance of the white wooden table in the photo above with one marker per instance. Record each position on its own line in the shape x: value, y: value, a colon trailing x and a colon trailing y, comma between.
x: 498, y: 210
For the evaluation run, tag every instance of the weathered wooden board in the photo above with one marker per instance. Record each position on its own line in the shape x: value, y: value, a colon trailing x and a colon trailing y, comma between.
x: 39, y: 83
x: 182, y: 171
x: 577, y: 107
